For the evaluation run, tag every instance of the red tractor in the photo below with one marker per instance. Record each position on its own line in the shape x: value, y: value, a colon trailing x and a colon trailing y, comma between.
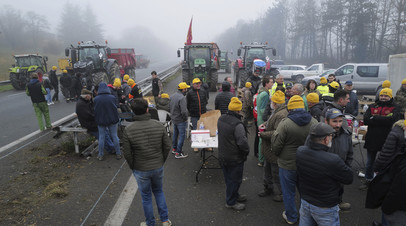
x: 244, y: 64
x: 126, y: 61
x: 142, y: 61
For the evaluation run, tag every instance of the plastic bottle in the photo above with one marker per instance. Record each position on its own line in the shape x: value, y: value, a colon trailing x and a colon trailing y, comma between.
x: 355, y: 129
x: 201, y: 126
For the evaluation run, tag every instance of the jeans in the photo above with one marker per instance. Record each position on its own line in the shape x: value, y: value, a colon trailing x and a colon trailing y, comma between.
x: 112, y: 130
x: 194, y: 122
x: 369, y: 171
x: 233, y: 179
x: 108, y: 142
x: 179, y: 130
x: 151, y: 181
x: 288, y: 180
x: 313, y: 215
x: 48, y: 95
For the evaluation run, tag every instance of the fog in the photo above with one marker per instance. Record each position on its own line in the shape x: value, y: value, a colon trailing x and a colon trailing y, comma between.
x: 157, y: 27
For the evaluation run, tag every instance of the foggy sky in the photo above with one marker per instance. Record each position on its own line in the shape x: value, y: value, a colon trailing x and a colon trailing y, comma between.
x: 168, y: 20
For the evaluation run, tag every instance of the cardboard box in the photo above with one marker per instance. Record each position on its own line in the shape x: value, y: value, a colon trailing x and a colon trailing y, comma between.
x: 209, y: 120
x: 200, y: 135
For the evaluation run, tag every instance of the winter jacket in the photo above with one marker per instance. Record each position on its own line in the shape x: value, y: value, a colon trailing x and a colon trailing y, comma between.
x: 329, y: 105
x: 116, y: 93
x: 145, y: 143
x: 66, y: 80
x: 320, y: 175
x: 36, y: 91
x: 379, y: 117
x: 163, y: 104
x: 317, y: 110
x: 178, y: 108
x: 289, y: 135
x: 136, y: 92
x: 105, y: 107
x: 394, y: 145
x: 388, y: 188
x: 400, y: 99
x: 262, y: 102
x: 156, y: 87
x: 352, y: 106
x: 247, y: 102
x: 255, y: 82
x: 232, y: 139
x: 46, y: 83
x: 54, y: 79
x: 223, y: 98
x: 278, y: 115
x: 125, y: 88
x: 342, y: 145
x: 85, y: 113
x: 196, y: 102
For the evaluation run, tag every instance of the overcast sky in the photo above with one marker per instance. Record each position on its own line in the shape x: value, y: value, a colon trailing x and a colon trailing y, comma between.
x: 167, y: 19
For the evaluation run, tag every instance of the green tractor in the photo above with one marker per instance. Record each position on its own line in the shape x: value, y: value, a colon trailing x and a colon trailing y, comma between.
x: 25, y: 65
x: 225, y: 62
x: 201, y: 60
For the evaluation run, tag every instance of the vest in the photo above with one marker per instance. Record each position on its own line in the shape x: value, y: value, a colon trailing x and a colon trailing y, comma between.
x: 274, y: 87
x: 155, y: 87
x: 228, y: 149
x: 323, y: 89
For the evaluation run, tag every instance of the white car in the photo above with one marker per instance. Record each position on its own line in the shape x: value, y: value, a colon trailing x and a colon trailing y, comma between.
x: 288, y: 70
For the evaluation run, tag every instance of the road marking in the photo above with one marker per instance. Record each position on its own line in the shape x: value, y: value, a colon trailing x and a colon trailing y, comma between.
x: 36, y: 132
x: 16, y: 94
x: 120, y: 209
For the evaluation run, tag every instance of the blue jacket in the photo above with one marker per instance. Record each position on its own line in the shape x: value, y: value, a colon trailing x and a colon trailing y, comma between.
x: 352, y: 106
x: 105, y: 108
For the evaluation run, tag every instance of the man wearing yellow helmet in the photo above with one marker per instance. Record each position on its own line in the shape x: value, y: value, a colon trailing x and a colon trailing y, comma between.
x: 66, y: 82
x: 55, y: 83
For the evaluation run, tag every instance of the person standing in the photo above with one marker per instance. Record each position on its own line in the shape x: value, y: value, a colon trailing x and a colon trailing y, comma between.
x: 55, y: 83
x: 255, y: 81
x: 289, y: 135
x: 146, y: 147
x: 157, y: 87
x: 48, y: 87
x: 179, y: 116
x: 106, y: 115
x: 223, y: 98
x: 340, y: 100
x: 385, y: 84
x: 196, y: 102
x: 353, y: 105
x: 320, y: 175
x: 400, y: 98
x: 233, y: 151
x: 125, y: 87
x: 66, y: 82
x: 247, y: 104
x: 136, y: 92
x: 298, y: 89
x: 311, y: 87
x: 272, y: 183
x: 278, y: 83
x: 323, y: 87
x: 230, y: 81
x: 315, y: 107
x: 379, y: 118
x: 36, y: 91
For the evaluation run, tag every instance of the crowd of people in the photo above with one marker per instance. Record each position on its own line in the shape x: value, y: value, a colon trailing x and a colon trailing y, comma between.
x: 302, y: 140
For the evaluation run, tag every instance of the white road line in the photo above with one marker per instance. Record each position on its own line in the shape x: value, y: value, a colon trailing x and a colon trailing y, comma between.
x: 120, y: 209
x: 16, y: 94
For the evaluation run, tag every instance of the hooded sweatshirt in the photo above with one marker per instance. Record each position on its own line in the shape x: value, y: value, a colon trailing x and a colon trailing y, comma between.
x: 223, y: 98
x: 105, y: 108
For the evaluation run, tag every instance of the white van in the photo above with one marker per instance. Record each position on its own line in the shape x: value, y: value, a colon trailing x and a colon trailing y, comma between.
x: 366, y: 77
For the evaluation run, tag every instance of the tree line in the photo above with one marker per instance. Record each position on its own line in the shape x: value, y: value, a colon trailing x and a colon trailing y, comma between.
x: 329, y: 31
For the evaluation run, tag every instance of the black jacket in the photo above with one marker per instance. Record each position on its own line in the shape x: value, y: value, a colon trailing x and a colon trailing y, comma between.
x: 317, y: 110
x: 66, y: 80
x: 196, y: 102
x: 232, y: 139
x: 395, y: 143
x: 320, y: 175
x: 255, y: 82
x: 47, y: 84
x: 54, y: 79
x: 36, y: 91
x: 85, y: 112
x: 223, y: 98
x: 353, y: 105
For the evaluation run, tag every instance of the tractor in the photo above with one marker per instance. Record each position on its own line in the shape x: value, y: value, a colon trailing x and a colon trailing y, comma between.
x: 24, y: 66
x: 225, y: 62
x: 243, y: 66
x: 201, y: 60
x: 91, y: 61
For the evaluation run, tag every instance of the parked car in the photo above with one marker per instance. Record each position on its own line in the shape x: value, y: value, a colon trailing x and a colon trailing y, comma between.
x: 277, y: 63
x: 314, y: 69
x: 288, y: 70
x: 317, y: 77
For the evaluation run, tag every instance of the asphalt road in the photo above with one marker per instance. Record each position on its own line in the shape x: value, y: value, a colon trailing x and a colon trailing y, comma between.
x: 96, y: 187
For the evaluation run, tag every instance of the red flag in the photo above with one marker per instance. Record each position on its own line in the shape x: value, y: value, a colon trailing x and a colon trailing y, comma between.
x: 189, y: 34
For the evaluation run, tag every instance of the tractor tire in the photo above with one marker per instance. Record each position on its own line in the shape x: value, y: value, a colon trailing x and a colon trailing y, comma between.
x: 214, y: 77
x: 99, y: 77
x: 18, y: 84
x: 114, y: 72
x: 299, y: 79
x: 186, y: 77
x: 242, y: 77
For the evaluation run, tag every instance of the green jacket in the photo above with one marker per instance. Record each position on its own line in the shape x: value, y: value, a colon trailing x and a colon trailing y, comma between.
x: 262, y: 102
x: 146, y: 144
x: 288, y: 137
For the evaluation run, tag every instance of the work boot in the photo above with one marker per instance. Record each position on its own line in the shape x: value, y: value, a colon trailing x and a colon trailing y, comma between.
x: 344, y: 205
x: 266, y: 192
x: 364, y: 186
x: 236, y: 206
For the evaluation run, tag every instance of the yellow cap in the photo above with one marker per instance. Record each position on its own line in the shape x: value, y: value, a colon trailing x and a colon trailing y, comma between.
x: 54, y: 68
x: 196, y: 80
x: 323, y: 80
x: 126, y: 77
x: 117, y: 82
x: 313, y: 98
x: 183, y: 85
x: 404, y: 81
x: 387, y: 92
x: 295, y: 102
x: 130, y: 82
x: 165, y: 95
x: 278, y: 97
x: 404, y: 122
x: 64, y: 71
x: 235, y: 104
x: 248, y: 85
x: 386, y: 84
x: 334, y: 84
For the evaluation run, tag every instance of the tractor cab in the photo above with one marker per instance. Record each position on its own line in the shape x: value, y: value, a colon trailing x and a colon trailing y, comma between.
x: 24, y: 66
x: 89, y: 56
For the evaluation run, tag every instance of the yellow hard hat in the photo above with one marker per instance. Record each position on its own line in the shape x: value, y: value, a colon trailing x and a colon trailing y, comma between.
x: 196, y: 80
x: 64, y: 71
x: 334, y: 85
x: 165, y: 95
x: 54, y: 68
x: 130, y: 82
x: 183, y: 85
x: 126, y: 77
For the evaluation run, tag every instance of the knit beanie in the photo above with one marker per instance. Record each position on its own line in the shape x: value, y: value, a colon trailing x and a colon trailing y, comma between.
x: 313, y: 98
x: 386, y: 84
x: 248, y: 84
x: 235, y: 104
x: 295, y: 102
x: 117, y: 82
x: 130, y: 82
x: 165, y: 95
x: 323, y: 80
x: 387, y: 92
x: 278, y: 97
x: 126, y: 77
x: 404, y: 81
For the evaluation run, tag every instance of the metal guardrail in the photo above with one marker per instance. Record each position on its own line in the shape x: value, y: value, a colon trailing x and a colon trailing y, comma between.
x: 5, y: 82
x: 146, y: 85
